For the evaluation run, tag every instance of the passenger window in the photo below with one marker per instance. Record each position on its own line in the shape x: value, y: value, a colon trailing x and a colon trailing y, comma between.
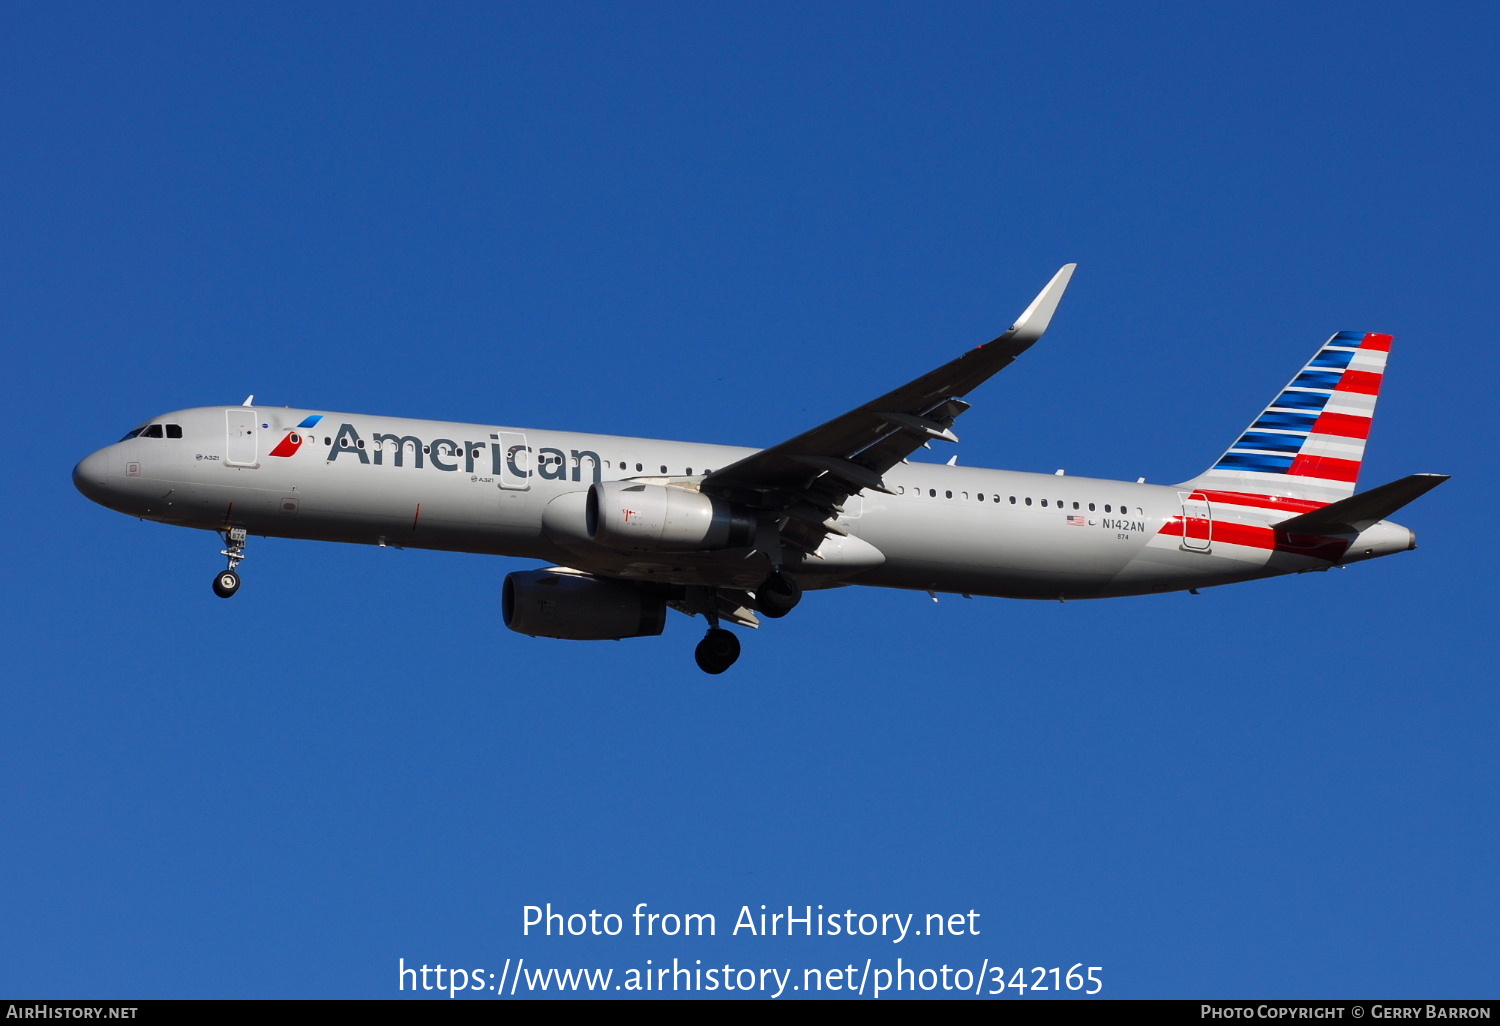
x: 1044, y: 502
x: 1075, y: 505
x: 689, y: 471
x: 637, y: 466
x: 1028, y: 500
x: 980, y: 496
x: 1106, y: 507
x: 948, y: 494
x: 663, y: 470
x: 174, y: 430
x: 932, y: 493
x: 1012, y: 500
x: 1091, y: 507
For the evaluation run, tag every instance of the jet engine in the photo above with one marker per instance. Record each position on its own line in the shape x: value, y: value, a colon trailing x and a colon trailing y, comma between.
x: 658, y: 518
x: 576, y: 607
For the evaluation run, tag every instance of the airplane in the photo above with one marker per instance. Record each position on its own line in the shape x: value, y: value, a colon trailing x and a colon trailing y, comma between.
x: 633, y: 526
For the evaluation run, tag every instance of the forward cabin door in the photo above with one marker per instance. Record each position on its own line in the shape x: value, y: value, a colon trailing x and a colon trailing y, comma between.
x: 240, y: 441
x: 1197, y: 523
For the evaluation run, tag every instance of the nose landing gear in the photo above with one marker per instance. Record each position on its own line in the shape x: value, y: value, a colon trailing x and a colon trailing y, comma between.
x: 228, y: 582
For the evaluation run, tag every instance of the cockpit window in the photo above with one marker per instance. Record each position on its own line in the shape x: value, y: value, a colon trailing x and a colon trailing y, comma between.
x: 154, y: 431
x: 133, y: 432
x: 174, y: 430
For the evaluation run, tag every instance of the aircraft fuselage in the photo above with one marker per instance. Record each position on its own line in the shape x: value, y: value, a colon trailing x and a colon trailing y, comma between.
x: 519, y: 492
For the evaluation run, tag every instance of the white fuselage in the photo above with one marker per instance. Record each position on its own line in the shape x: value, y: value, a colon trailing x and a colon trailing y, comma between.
x: 518, y: 492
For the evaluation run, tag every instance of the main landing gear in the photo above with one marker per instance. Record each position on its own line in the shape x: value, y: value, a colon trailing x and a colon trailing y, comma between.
x: 778, y: 595
x: 719, y: 648
x: 228, y: 582
x: 717, y: 651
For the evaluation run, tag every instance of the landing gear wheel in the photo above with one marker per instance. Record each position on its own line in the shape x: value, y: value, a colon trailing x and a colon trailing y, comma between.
x: 778, y: 595
x: 717, y: 651
x: 226, y: 584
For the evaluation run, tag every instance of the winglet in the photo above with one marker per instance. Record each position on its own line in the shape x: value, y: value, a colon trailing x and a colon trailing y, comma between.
x: 1033, y: 322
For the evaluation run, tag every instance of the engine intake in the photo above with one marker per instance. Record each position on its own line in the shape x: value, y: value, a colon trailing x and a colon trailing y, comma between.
x: 659, y: 518
x: 574, y: 607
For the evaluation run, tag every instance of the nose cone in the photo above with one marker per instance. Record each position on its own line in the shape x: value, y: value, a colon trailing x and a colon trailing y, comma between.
x: 91, y: 476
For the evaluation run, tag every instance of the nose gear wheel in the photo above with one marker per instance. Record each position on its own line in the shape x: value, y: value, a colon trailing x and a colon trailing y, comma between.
x: 228, y: 582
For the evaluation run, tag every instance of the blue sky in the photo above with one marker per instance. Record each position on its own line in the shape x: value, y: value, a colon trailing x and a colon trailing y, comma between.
x: 730, y: 222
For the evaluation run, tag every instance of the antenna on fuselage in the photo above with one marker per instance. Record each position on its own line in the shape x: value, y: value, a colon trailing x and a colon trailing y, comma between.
x: 249, y: 400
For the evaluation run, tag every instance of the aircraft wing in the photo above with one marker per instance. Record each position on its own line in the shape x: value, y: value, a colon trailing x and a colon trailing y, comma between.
x: 810, y: 475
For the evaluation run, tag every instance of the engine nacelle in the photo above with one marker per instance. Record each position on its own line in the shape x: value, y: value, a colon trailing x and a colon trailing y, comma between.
x: 658, y: 518
x: 551, y: 604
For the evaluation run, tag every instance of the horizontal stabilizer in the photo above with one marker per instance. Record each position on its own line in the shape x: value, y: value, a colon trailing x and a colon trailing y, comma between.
x: 1359, y: 512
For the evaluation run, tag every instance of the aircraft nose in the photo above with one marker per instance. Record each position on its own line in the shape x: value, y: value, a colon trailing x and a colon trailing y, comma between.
x: 91, y: 476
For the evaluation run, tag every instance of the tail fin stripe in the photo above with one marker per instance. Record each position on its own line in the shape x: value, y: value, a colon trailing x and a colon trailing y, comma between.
x: 1318, y: 379
x: 1274, y: 443
x: 1337, y: 359
x: 1285, y: 420
x: 1326, y: 468
x: 1352, y: 403
x: 1333, y: 445
x: 1301, y: 400
x: 1310, y: 441
x: 1262, y: 461
x: 1342, y: 424
x: 1363, y: 382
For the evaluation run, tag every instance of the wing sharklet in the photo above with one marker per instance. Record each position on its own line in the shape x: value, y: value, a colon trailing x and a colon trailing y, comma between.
x: 1033, y: 322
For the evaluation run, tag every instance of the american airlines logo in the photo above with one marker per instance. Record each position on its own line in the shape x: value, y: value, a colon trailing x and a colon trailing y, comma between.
x: 518, y: 461
x: 289, y: 445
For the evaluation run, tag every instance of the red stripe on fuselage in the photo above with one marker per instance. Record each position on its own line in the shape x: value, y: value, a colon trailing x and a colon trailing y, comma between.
x: 1344, y: 425
x: 1254, y: 536
x: 1264, y: 501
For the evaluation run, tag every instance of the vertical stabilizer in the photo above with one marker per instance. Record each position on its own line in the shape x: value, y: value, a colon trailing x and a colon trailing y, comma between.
x: 1309, y: 443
